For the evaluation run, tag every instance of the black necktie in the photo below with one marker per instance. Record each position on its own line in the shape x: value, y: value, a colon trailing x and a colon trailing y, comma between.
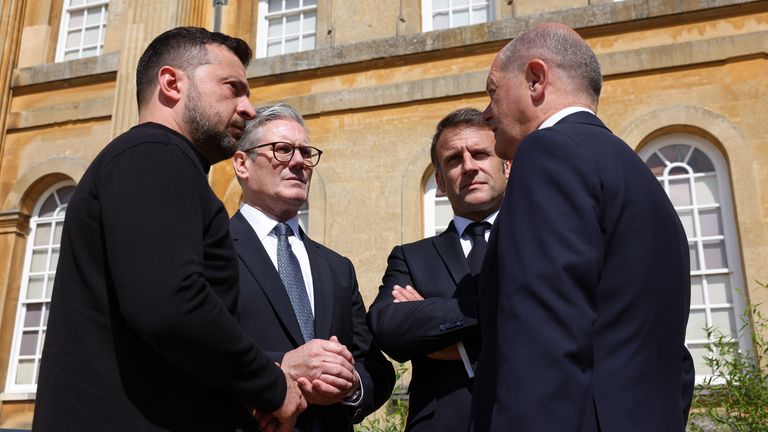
x: 290, y: 272
x: 476, y: 231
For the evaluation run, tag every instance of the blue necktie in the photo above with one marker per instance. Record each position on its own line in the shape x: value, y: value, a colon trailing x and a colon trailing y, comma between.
x: 476, y: 231
x: 290, y: 272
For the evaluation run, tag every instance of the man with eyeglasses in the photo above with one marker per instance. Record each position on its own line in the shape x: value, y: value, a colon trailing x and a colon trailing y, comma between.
x: 298, y: 299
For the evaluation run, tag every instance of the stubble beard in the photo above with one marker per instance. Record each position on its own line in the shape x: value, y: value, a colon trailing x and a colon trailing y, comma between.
x: 203, y: 131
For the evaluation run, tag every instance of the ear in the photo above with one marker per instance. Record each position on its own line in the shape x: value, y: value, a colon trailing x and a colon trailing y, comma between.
x: 440, y: 182
x: 170, y: 83
x: 537, y: 77
x: 239, y: 161
x: 507, y: 167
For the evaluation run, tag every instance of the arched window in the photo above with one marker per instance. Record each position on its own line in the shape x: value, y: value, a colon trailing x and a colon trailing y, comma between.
x: 41, y: 258
x: 437, y: 210
x: 695, y: 176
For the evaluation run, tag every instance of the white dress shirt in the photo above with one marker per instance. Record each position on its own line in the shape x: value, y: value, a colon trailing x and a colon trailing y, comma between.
x: 556, y: 117
x: 263, y: 226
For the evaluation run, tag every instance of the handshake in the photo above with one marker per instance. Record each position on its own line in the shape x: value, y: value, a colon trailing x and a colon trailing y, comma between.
x: 320, y: 372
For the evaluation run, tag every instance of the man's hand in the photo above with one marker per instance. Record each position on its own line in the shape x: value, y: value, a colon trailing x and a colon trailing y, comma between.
x: 406, y: 294
x: 324, y: 370
x: 284, y: 419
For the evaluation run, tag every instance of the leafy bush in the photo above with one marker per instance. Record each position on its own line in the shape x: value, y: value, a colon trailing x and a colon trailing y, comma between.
x: 735, y: 397
x: 391, y: 417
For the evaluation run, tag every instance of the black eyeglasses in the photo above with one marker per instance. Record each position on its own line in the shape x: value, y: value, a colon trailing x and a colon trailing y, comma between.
x: 283, y: 152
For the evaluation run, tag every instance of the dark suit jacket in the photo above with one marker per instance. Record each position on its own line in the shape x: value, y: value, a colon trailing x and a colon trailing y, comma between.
x: 142, y: 333
x: 265, y: 313
x: 584, y: 292
x: 440, y: 391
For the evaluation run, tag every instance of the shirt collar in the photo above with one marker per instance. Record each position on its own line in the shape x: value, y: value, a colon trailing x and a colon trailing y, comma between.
x: 556, y: 117
x: 461, y: 223
x: 264, y: 224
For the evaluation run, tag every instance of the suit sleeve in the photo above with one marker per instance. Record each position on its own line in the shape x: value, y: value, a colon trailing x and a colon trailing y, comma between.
x: 550, y: 250
x: 154, y: 204
x: 377, y: 376
x: 417, y: 328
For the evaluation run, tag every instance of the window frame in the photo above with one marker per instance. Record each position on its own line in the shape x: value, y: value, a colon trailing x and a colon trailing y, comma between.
x: 66, y: 11
x: 430, y: 201
x: 427, y: 23
x: 729, y: 224
x: 262, y: 27
x: 11, y: 388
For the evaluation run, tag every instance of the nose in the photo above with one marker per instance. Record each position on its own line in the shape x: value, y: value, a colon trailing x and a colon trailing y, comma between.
x: 296, y: 159
x: 245, y: 109
x: 468, y: 164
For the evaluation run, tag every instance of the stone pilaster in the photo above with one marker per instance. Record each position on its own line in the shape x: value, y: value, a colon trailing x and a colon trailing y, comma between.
x: 11, y: 19
x: 144, y: 20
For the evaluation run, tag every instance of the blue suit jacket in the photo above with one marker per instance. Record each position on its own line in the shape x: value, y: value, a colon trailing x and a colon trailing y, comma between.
x: 265, y: 313
x: 440, y: 391
x: 584, y: 293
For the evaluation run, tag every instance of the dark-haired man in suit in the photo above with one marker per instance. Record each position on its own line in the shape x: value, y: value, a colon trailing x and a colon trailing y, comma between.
x: 426, y: 310
x: 584, y: 292
x: 298, y: 299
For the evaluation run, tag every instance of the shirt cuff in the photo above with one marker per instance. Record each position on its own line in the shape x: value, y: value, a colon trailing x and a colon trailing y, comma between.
x: 355, y: 398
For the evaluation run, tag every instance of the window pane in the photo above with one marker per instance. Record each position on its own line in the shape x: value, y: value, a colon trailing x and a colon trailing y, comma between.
x: 461, y: 18
x: 275, y: 6
x: 89, y: 52
x: 275, y: 27
x: 714, y: 255
x: 28, y: 343
x: 724, y: 322
x: 697, y: 295
x: 65, y: 194
x: 310, y: 22
x: 656, y: 165
x: 71, y: 55
x: 48, y: 207
x: 25, y: 374
x: 292, y: 4
x: 274, y: 48
x: 42, y: 234
x: 39, y: 258
x: 679, y: 192
x: 439, y: 4
x: 91, y: 36
x: 291, y: 45
x: 709, y: 220
x: 33, y: 315
x: 706, y: 190
x: 480, y: 15
x: 292, y: 25
x: 94, y: 17
x: 719, y: 288
x: 308, y: 43
x: 310, y: 2
x: 675, y: 153
x: 440, y: 20
x: 697, y: 322
x: 49, y: 288
x: 76, y: 19
x: 694, y: 256
x: 699, y: 352
x: 73, y: 41
x: 54, y: 260
x: 443, y: 212
x: 456, y: 3
x: 35, y: 288
x: 686, y: 217
x: 57, y: 229
x: 700, y: 162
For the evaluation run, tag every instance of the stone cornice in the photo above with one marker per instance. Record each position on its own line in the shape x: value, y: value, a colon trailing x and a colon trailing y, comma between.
x: 586, y: 19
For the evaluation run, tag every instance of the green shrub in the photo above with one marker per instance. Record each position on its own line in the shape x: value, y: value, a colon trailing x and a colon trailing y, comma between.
x: 391, y: 417
x: 735, y: 397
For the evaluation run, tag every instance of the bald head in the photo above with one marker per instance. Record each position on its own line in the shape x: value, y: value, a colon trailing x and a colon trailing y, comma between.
x: 560, y: 48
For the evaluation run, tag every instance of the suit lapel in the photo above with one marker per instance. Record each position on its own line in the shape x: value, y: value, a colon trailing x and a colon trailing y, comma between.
x: 448, y: 246
x: 322, y: 286
x: 256, y: 260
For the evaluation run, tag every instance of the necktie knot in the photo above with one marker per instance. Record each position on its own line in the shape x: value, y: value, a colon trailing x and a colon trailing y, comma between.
x: 282, y: 229
x: 477, y: 229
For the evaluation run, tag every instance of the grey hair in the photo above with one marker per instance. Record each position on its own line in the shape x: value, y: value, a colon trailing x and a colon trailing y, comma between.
x: 264, y: 115
x: 559, y: 47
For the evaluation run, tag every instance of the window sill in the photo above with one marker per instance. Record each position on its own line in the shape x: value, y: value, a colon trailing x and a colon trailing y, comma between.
x: 10, y: 397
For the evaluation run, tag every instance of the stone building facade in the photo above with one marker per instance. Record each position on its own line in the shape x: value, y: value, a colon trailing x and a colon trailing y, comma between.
x: 685, y: 84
